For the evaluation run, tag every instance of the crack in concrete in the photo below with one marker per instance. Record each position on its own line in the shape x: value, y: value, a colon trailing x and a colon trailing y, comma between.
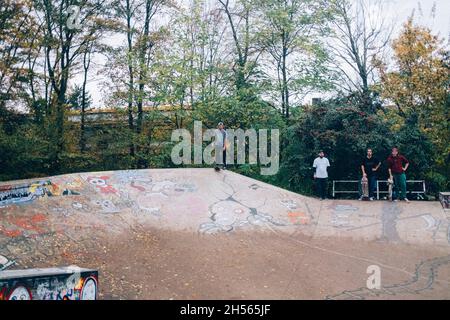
x: 423, y: 279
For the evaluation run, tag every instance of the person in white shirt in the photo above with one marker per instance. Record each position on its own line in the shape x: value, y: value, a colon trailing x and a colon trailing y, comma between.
x: 321, y: 164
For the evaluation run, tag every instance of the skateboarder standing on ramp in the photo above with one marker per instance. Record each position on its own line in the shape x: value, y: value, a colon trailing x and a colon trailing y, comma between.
x: 321, y: 164
x: 369, y: 168
x: 398, y: 165
x: 221, y: 143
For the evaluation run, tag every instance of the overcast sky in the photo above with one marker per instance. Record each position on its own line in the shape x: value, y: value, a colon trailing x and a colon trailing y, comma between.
x: 399, y: 12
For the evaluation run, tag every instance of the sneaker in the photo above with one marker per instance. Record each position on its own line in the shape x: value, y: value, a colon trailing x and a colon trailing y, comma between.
x: 396, y: 200
x: 407, y: 201
x: 361, y: 199
x: 371, y: 199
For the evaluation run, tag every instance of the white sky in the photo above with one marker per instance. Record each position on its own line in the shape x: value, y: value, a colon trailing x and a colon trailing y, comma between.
x: 400, y: 11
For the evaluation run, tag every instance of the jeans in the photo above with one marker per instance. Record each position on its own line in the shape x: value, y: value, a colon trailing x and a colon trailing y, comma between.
x: 322, y: 187
x: 400, y: 186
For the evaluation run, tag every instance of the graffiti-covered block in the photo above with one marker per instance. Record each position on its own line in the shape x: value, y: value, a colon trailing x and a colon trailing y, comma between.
x: 444, y: 197
x: 68, y: 283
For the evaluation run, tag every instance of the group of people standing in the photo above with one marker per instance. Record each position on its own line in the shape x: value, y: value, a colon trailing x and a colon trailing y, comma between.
x: 370, y: 166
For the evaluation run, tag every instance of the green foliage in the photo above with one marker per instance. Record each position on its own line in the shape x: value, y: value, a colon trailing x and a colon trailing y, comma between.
x: 75, y: 100
x: 23, y: 152
x: 243, y: 110
x: 340, y: 129
x: 344, y: 132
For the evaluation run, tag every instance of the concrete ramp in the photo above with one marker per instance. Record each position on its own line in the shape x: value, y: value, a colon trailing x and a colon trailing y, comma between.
x: 80, y: 208
x: 201, y: 200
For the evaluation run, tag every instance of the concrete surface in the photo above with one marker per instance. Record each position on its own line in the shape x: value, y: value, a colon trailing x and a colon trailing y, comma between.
x: 199, y: 234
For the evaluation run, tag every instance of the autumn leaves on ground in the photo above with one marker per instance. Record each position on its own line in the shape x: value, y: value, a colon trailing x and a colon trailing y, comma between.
x: 156, y: 264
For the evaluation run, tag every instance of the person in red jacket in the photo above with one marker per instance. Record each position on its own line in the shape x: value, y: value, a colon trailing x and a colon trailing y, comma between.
x: 398, y: 165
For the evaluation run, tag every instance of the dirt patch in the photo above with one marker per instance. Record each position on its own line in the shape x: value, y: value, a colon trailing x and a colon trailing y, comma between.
x: 148, y: 263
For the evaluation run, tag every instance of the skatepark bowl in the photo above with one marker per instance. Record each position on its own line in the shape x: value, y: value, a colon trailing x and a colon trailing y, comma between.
x: 201, y: 234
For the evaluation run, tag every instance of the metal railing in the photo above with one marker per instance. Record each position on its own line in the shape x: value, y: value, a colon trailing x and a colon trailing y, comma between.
x: 378, y: 191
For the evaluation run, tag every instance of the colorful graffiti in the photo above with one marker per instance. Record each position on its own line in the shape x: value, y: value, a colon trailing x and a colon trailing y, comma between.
x: 299, y: 218
x: 22, y: 193
x: 26, y: 193
x: 49, y: 284
x: 101, y: 183
x: 16, y: 226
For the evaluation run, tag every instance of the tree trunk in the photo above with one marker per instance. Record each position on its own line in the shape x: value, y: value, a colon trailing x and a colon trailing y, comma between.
x: 131, y: 76
x: 86, y: 64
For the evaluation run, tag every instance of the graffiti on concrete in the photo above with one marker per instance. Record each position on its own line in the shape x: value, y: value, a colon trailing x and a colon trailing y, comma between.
x: 16, y: 226
x: 20, y: 293
x: 105, y: 206
x: 147, y: 196
x: 26, y: 193
x: 425, y: 278
x: 295, y: 217
x: 290, y: 204
x: 299, y: 218
x: 431, y: 222
x: 254, y: 187
x: 230, y: 214
x: 341, y: 214
x: 49, y: 284
x: 5, y: 263
x: 80, y: 206
x: 22, y: 193
x: 226, y: 216
x: 101, y: 183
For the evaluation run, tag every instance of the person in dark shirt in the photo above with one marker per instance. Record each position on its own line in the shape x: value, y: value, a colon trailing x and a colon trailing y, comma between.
x: 369, y: 168
x: 398, y: 165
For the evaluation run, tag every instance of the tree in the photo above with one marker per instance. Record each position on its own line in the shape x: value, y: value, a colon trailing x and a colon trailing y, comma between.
x: 136, y: 18
x: 197, y: 33
x: 64, y: 43
x: 19, y: 33
x: 417, y: 86
x: 362, y: 33
x: 246, y: 50
x: 292, y: 32
x: 76, y: 101
x: 145, y: 44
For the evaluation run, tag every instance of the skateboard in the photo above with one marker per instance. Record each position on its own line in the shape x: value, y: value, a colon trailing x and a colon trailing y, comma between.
x: 365, y: 188
x: 391, y: 189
